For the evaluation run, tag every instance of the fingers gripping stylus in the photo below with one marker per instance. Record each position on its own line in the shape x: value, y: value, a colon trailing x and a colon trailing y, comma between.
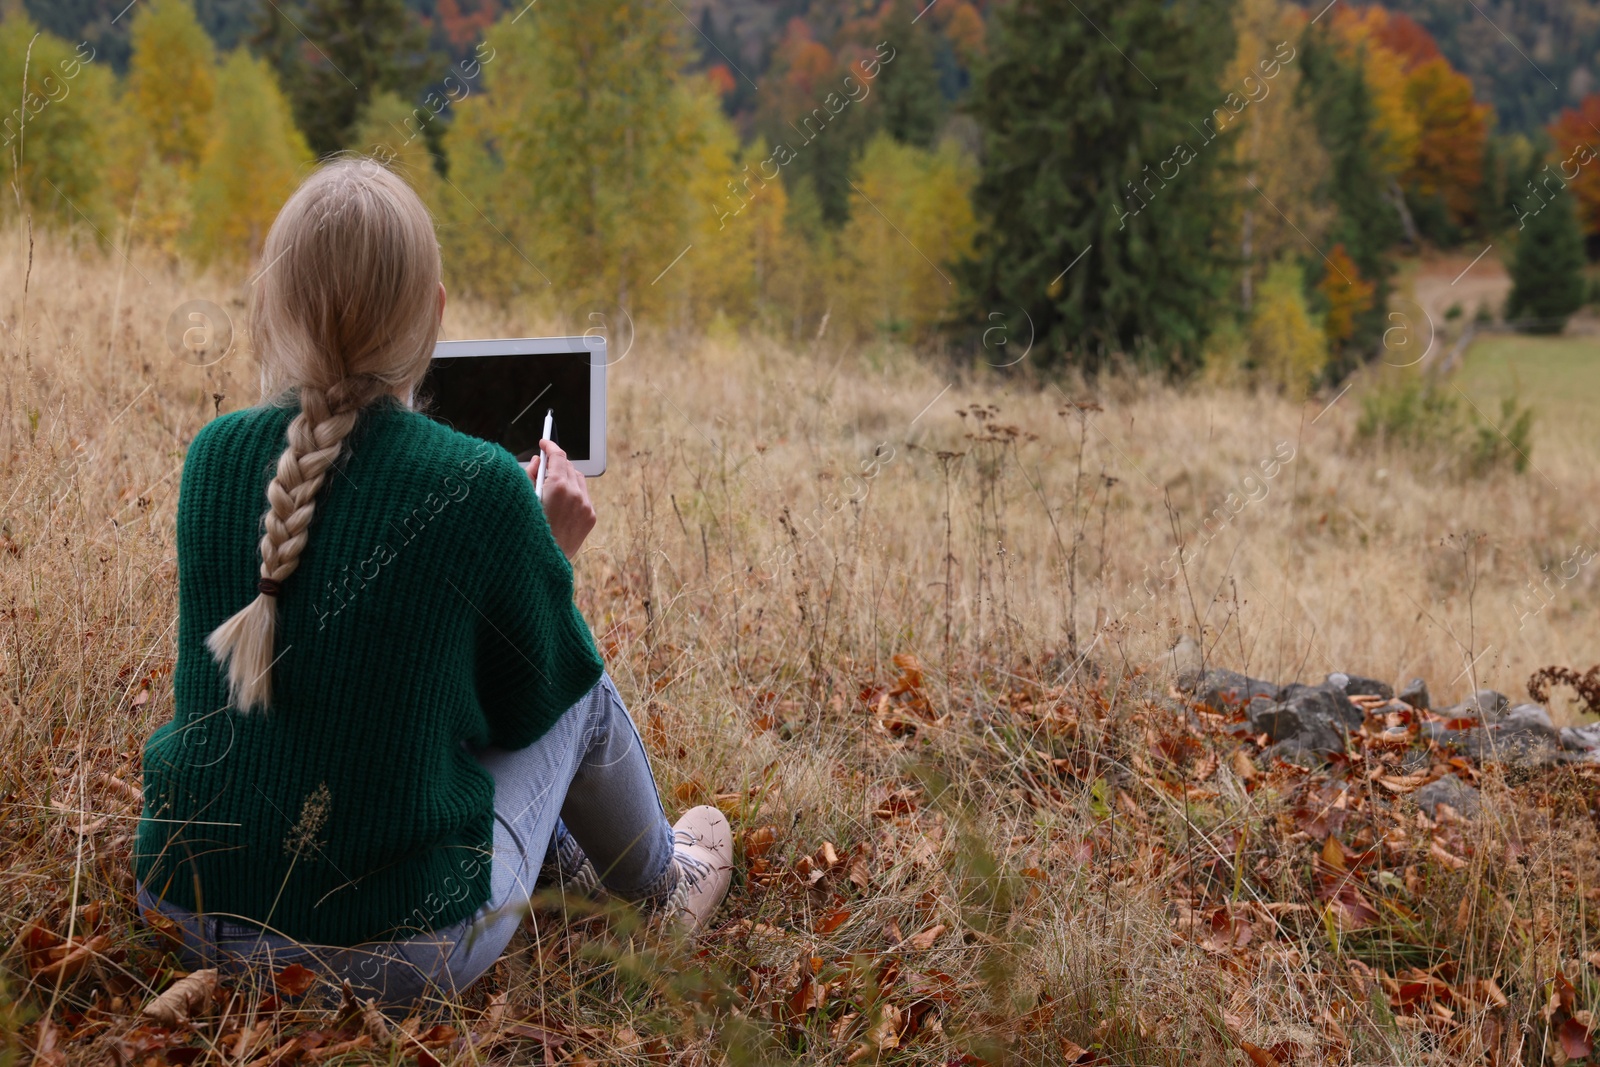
x: 549, y: 425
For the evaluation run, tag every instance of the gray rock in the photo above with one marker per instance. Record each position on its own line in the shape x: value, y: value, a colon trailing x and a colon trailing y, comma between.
x: 1416, y: 693
x: 1526, y: 740
x: 1486, y: 705
x: 1324, y: 701
x: 1528, y: 716
x: 1356, y: 686
x: 1581, y: 738
x: 1314, y: 719
x: 1295, y: 750
x: 1223, y: 690
x: 1492, y: 702
x: 1448, y: 790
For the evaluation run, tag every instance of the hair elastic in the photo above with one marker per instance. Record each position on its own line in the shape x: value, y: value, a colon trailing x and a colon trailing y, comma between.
x: 268, y: 587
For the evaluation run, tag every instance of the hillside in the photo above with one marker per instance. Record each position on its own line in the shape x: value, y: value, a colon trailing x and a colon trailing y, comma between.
x: 1529, y: 58
x: 910, y: 628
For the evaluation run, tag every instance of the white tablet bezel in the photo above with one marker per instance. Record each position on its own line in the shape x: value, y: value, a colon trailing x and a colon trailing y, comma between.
x: 594, y: 344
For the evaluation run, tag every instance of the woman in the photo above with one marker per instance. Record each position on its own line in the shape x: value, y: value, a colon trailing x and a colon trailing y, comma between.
x: 388, y: 708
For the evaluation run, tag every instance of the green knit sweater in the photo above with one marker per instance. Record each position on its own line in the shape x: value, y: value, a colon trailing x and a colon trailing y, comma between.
x: 432, y: 609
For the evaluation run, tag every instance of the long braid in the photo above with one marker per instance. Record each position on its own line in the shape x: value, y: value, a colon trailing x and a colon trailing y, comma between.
x: 349, y: 310
x: 244, y: 644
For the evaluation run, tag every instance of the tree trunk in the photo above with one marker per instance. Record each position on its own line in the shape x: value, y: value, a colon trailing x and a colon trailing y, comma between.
x: 1407, y: 223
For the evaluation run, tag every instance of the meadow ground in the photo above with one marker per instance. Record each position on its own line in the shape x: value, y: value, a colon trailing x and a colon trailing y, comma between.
x: 909, y: 626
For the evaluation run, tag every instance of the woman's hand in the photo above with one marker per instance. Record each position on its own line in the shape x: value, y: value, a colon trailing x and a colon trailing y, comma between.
x: 566, y: 498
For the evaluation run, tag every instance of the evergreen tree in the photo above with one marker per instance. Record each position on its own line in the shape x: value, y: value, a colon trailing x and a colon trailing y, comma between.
x: 331, y: 56
x: 1367, y: 224
x: 911, y: 106
x: 1086, y: 157
x: 807, y: 107
x: 1547, y: 282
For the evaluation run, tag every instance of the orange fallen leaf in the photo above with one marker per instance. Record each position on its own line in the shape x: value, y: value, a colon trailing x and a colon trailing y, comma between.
x: 1244, y: 768
x: 294, y: 980
x: 1259, y: 1056
x: 759, y: 842
x: 926, y: 938
x: 1074, y: 1053
x: 833, y: 920
x: 71, y: 961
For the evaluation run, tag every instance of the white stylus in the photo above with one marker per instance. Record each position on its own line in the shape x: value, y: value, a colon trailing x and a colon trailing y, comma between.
x: 538, y: 481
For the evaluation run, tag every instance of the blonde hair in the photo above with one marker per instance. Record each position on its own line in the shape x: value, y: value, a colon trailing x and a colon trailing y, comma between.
x: 344, y: 311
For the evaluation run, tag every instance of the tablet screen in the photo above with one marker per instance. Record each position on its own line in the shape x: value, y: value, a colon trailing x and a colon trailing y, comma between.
x: 503, y: 398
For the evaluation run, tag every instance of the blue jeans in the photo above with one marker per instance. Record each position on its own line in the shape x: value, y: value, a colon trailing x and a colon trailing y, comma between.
x: 588, y: 776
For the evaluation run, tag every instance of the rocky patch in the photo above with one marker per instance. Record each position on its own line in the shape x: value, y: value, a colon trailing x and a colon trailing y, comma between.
x: 1312, y: 723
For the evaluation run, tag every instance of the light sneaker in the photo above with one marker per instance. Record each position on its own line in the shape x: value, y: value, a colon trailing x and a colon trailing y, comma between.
x: 703, y: 855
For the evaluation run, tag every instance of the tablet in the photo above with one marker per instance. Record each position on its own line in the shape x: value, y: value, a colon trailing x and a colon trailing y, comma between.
x: 499, y: 390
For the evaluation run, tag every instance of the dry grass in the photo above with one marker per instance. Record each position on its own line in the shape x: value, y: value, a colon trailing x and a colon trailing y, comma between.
x: 1006, y: 779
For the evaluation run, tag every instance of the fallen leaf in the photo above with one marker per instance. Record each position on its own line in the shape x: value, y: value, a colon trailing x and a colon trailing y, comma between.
x: 294, y: 980
x: 1259, y: 1056
x: 859, y: 876
x: 326, y: 1052
x: 759, y: 842
x: 833, y: 920
x: 187, y: 997
x: 1402, y: 784
x: 924, y: 941
x: 47, y: 1051
x: 71, y: 958
x: 374, y: 1024
x: 886, y: 1035
x: 1074, y: 1053
x: 1575, y: 1040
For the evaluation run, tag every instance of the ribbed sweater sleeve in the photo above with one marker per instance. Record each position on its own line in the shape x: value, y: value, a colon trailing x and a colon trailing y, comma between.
x: 536, y: 656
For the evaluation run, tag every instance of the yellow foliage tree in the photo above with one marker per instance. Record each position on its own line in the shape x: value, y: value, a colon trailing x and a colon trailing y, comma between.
x: 572, y: 172
x: 53, y: 128
x: 254, y: 159
x: 172, y: 80
x: 160, y: 131
x: 910, y: 218
x: 1275, y: 142
x: 1286, y: 347
x: 740, y: 240
x: 383, y: 134
x: 1384, y: 72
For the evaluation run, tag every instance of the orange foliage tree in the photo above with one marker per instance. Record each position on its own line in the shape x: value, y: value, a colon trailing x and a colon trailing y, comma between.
x: 1347, y: 293
x: 1453, y: 132
x: 1576, y: 141
x: 1434, y: 128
